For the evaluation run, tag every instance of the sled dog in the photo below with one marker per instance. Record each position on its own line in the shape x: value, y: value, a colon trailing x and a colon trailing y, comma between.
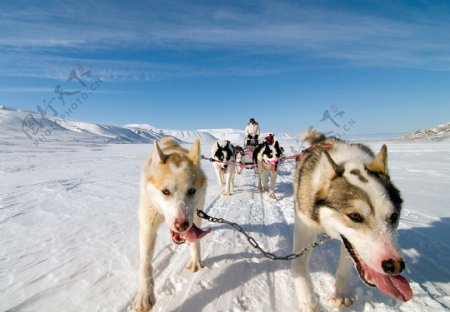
x: 239, y: 155
x: 344, y: 190
x: 222, y: 152
x: 266, y: 158
x: 173, y: 187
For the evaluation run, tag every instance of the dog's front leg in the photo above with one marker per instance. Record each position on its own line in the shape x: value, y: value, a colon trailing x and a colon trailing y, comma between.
x: 219, y: 174
x: 342, y: 294
x: 230, y: 179
x: 273, y: 180
x: 145, y: 298
x: 265, y: 180
x: 195, y: 263
x: 259, y: 177
x: 303, y: 236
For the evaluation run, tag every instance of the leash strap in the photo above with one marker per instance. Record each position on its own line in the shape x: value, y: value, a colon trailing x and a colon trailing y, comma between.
x: 323, y: 239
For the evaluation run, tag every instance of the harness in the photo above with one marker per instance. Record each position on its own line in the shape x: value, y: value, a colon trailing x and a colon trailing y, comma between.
x: 274, y: 162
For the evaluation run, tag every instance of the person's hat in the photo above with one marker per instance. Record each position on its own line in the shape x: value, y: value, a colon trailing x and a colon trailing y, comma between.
x: 252, y: 119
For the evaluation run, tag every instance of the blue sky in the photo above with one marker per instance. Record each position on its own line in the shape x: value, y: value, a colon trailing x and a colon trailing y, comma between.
x: 375, y: 66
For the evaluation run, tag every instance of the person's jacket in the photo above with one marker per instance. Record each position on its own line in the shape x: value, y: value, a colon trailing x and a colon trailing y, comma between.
x: 252, y: 129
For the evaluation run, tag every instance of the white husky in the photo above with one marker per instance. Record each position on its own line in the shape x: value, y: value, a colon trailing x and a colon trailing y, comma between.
x: 222, y: 152
x: 173, y: 187
x: 345, y: 190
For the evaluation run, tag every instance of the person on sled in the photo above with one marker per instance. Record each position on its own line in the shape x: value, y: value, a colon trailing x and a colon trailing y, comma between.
x: 252, y: 132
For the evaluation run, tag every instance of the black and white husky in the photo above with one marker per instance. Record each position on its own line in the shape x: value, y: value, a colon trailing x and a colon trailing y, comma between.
x: 266, y: 158
x: 222, y: 152
x: 344, y: 190
x: 239, y: 154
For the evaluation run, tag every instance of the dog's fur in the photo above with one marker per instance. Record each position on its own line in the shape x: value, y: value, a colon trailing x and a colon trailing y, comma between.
x: 173, y: 187
x: 345, y: 190
x: 223, y: 152
x: 266, y: 157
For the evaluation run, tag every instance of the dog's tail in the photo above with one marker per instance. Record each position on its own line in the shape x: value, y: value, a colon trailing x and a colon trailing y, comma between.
x: 312, y: 136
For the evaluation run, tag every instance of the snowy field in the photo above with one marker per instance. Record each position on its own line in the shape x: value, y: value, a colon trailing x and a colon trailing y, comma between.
x: 69, y: 232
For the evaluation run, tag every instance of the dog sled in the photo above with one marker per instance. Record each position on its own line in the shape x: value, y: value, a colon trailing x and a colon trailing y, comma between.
x: 249, y: 147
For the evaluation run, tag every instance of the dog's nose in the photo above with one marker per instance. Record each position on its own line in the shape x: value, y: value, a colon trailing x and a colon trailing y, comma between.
x: 181, y: 226
x: 393, y: 267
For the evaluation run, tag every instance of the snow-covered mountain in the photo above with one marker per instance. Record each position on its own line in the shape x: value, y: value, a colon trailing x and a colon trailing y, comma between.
x: 435, y: 134
x: 18, y: 124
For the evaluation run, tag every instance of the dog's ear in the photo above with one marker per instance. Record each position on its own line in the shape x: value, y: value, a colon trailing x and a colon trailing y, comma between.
x: 336, y: 170
x: 194, y: 153
x: 327, y: 172
x: 157, y: 155
x: 379, y: 164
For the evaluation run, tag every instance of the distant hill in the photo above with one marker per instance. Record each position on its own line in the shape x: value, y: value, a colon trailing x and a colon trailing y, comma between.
x: 17, y: 124
x: 436, y: 134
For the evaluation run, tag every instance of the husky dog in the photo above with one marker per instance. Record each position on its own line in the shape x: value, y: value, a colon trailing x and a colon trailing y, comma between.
x: 239, y: 155
x: 222, y: 152
x: 344, y: 190
x: 266, y: 158
x: 173, y: 187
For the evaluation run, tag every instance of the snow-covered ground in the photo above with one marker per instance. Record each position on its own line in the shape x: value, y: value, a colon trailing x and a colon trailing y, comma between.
x: 69, y: 231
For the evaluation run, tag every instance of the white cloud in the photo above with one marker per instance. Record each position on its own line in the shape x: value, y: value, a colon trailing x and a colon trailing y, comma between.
x: 25, y: 90
x: 59, y: 68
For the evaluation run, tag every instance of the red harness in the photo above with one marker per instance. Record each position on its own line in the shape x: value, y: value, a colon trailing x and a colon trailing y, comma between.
x: 275, y: 162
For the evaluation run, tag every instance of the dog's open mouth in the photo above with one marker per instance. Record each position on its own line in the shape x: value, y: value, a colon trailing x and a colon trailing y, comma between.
x: 191, y: 235
x: 393, y: 285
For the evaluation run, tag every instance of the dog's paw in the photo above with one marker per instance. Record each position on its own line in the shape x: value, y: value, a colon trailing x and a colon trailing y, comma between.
x: 340, y: 302
x: 226, y: 193
x: 144, y: 302
x: 194, y: 266
x: 308, y: 307
x: 272, y: 195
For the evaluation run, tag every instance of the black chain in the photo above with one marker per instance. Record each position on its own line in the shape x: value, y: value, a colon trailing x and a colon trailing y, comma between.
x: 252, y: 241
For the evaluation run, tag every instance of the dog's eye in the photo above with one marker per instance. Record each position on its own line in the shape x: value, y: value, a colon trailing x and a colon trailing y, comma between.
x: 355, y: 217
x: 165, y: 192
x: 191, y: 191
x: 393, y: 218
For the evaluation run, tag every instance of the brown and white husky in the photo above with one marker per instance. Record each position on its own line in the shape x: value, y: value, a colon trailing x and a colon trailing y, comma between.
x: 173, y: 188
x: 344, y: 190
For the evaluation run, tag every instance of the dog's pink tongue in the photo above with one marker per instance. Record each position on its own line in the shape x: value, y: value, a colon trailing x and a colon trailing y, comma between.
x: 395, y: 286
x: 194, y: 234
